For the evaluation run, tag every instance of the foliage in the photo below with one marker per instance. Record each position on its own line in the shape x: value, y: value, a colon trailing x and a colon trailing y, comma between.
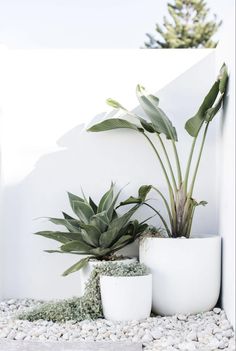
x: 98, y: 231
x: 88, y: 306
x: 181, y: 206
x: 187, y: 27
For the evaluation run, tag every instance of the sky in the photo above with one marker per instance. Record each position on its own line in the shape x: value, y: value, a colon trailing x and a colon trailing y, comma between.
x: 82, y: 23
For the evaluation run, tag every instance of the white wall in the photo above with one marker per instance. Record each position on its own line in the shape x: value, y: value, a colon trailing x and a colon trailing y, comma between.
x: 45, y: 96
x: 226, y: 53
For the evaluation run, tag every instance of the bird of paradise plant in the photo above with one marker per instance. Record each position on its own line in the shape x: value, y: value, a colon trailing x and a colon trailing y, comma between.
x: 181, y: 205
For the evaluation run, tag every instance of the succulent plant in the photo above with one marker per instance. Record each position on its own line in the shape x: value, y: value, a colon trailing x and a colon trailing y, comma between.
x: 98, y: 230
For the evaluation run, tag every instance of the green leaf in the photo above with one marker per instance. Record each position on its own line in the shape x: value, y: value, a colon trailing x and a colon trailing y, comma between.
x: 82, y: 210
x: 62, y: 237
x: 76, y: 245
x: 100, y: 252
x: 211, y: 112
x: 77, y: 266
x: 71, y: 224
x: 66, y: 216
x: 223, y: 77
x: 115, y: 104
x: 73, y: 198
x: 131, y: 200
x: 123, y: 241
x: 90, y: 234
x: 193, y: 125
x: 162, y: 124
x: 108, y: 237
x: 93, y: 205
x: 113, y: 123
x: 100, y: 220
x: 143, y: 191
x: 106, y: 200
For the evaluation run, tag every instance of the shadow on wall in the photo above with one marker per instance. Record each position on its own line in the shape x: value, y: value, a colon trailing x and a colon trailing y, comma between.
x: 92, y: 161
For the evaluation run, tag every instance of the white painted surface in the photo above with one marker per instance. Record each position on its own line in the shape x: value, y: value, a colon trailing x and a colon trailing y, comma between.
x: 45, y: 96
x: 126, y: 298
x: 226, y: 52
x: 186, y: 273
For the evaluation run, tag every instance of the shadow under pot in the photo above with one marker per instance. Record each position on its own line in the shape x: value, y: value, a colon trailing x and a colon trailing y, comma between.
x: 126, y: 298
x: 186, y: 273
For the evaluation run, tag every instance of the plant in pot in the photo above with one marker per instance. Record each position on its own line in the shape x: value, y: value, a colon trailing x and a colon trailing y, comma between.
x: 98, y: 231
x: 181, y: 268
x: 126, y: 291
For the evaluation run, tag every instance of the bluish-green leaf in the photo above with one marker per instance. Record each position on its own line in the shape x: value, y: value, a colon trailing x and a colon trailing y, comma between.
x: 82, y: 210
x: 62, y: 237
x: 159, y: 119
x: 77, y: 266
x: 76, y: 245
x: 106, y: 200
x: 113, y: 123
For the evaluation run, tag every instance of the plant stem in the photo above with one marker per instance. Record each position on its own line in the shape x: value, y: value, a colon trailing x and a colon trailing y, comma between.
x: 165, y: 202
x: 162, y: 219
x: 168, y: 162
x: 198, y: 161
x: 161, y: 163
x: 177, y: 163
x: 189, y: 165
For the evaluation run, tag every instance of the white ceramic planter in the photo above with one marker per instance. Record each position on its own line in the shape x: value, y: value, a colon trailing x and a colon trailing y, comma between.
x: 186, y: 273
x: 126, y: 298
x: 87, y: 270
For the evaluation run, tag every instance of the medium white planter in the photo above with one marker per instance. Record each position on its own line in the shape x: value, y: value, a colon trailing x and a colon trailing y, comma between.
x: 186, y: 273
x: 126, y: 298
x: 87, y: 270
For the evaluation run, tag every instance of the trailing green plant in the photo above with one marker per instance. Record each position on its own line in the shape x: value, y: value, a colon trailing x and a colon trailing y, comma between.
x: 181, y: 205
x: 187, y: 27
x: 88, y: 306
x: 98, y: 231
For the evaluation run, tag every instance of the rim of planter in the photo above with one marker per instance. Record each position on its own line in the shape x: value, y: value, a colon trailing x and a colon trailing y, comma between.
x: 126, y: 277
x: 182, y: 238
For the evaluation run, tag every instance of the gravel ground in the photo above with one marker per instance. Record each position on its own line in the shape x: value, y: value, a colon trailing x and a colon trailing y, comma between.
x: 206, y: 331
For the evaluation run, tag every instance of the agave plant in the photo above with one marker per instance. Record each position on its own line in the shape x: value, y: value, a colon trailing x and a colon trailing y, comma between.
x: 98, y: 230
x: 181, y: 205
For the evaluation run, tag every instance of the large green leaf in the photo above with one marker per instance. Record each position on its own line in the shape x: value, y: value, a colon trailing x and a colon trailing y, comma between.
x: 62, y: 237
x: 76, y: 245
x: 159, y: 119
x: 73, y: 198
x: 93, y: 205
x: 142, y: 194
x: 100, y: 252
x: 77, y: 266
x: 193, y: 125
x: 210, y: 105
x: 113, y: 123
x: 123, y: 241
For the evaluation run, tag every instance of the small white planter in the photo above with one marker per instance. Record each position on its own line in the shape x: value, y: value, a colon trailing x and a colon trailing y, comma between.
x: 87, y: 270
x: 126, y: 298
x: 186, y: 273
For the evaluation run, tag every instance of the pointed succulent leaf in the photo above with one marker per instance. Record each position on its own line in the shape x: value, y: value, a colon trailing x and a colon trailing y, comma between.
x: 62, y: 237
x: 106, y: 200
x: 71, y: 224
x: 77, y: 266
x: 162, y: 123
x: 73, y: 198
x: 90, y: 234
x: 211, y: 112
x: 113, y: 123
x: 82, y: 210
x: 99, y: 251
x: 76, y: 245
x: 66, y: 216
x: 121, y: 221
x: 121, y: 242
x: 100, y: 220
x: 93, y: 205
x: 130, y: 200
x: 108, y: 237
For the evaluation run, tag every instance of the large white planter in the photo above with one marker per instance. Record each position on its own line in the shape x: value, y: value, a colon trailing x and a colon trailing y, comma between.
x: 186, y: 273
x: 87, y: 270
x: 126, y: 298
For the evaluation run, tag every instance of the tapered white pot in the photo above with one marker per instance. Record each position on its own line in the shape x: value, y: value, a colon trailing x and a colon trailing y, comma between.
x: 186, y: 273
x: 126, y: 298
x: 87, y: 270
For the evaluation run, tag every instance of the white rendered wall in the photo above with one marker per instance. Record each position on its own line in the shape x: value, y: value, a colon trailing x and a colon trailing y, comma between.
x: 45, y: 96
x: 226, y: 52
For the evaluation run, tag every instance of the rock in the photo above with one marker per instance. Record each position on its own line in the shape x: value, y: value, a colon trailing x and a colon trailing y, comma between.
x: 182, y: 317
x: 217, y: 310
x: 187, y: 346
x: 156, y: 333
